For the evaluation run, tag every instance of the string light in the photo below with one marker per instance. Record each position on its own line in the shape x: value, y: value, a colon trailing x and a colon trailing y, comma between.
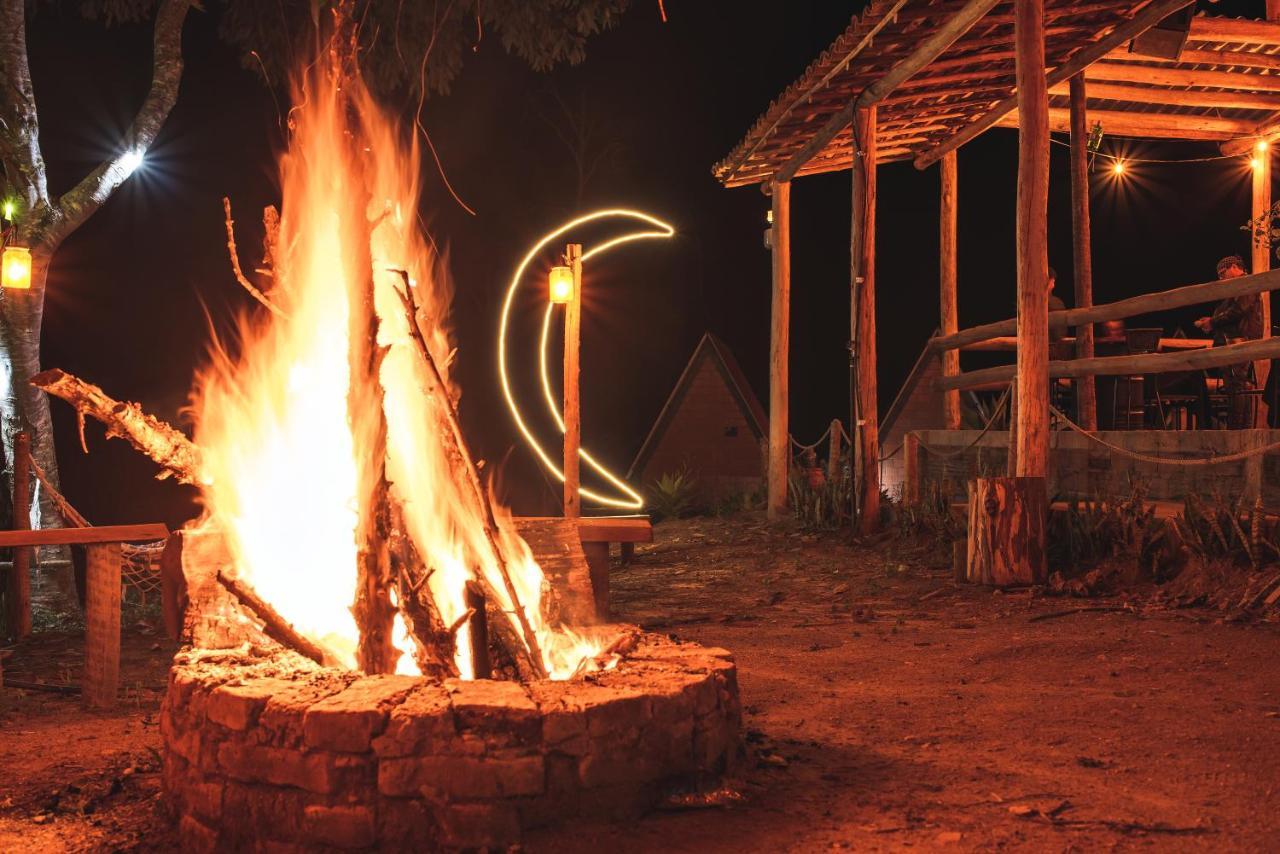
x: 632, y: 501
x: 1262, y: 146
x: 1117, y: 168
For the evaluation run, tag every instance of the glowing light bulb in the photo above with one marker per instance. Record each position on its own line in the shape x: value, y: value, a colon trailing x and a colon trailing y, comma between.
x: 17, y: 267
x: 9, y: 209
x: 1262, y: 146
x: 1118, y: 168
x: 1256, y: 163
x: 131, y: 160
x: 560, y: 285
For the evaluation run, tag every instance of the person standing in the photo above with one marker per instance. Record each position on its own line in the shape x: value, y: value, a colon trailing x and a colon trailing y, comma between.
x: 1234, y: 320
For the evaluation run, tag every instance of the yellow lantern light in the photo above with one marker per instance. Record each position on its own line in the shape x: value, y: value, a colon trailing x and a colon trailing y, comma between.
x: 561, y: 285
x: 17, y: 267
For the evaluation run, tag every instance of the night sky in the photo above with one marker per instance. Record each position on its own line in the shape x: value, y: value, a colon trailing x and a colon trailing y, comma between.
x: 134, y: 293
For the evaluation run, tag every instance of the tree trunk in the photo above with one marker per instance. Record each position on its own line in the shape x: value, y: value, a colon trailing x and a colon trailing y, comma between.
x: 23, y: 407
x: 1007, y: 517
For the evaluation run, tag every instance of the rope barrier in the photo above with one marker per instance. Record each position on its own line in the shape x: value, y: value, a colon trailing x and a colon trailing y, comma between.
x: 1166, y: 461
x: 995, y: 415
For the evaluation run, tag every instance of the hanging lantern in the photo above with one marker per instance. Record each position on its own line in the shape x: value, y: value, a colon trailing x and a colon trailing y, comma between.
x: 17, y: 267
x: 560, y: 285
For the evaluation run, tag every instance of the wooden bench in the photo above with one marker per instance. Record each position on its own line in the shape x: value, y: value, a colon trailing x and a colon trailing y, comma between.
x: 597, y: 533
x: 102, y: 596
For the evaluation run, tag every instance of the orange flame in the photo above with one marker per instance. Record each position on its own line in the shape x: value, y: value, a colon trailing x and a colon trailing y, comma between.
x: 281, y: 464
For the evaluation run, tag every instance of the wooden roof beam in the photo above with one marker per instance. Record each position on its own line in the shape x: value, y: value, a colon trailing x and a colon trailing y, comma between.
x: 1237, y: 30
x: 1124, y: 72
x: 1175, y: 97
x: 1152, y: 125
x: 1229, y: 58
x: 1139, y: 23
x: 928, y: 50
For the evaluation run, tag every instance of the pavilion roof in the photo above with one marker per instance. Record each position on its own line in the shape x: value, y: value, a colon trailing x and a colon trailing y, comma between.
x: 1225, y: 86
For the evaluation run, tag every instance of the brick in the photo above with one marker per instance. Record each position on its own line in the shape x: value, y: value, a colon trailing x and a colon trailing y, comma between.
x: 196, y: 837
x: 262, y: 812
x: 564, y: 715
x: 502, y: 712
x: 339, y: 826
x: 348, y: 721
x: 281, y: 720
x: 462, y: 777
x: 255, y: 763
x: 203, y: 799
x: 479, y: 826
x: 623, y: 710
x: 408, y: 825
x: 422, y: 723
x: 237, y: 706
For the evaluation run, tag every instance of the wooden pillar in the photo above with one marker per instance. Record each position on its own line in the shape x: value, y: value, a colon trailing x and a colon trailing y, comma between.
x: 597, y: 555
x: 1032, y: 426
x: 779, y: 351
x: 572, y: 403
x: 911, y: 462
x: 947, y: 285
x: 863, y: 276
x: 1007, y: 518
x: 101, y: 625
x: 1261, y: 260
x: 20, y: 576
x: 1082, y: 248
x: 833, y: 451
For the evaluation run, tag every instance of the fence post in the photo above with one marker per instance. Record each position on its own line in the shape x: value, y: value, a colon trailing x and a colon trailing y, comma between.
x: 833, y: 451
x: 911, y: 459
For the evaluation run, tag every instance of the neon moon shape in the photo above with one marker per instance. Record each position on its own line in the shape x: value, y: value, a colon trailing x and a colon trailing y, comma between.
x: 660, y: 229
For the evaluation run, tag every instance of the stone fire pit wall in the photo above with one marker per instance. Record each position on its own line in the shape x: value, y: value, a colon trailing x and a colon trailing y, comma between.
x: 281, y: 751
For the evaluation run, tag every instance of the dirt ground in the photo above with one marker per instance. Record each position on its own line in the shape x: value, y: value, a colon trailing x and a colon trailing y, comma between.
x: 884, y: 708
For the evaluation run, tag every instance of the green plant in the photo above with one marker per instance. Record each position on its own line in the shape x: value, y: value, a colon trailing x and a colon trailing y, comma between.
x: 1093, y: 530
x: 672, y: 495
x: 1228, y: 530
x: 820, y: 508
x: 931, y: 517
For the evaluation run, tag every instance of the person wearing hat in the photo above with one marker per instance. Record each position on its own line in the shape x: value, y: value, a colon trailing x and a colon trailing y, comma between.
x: 1235, y: 319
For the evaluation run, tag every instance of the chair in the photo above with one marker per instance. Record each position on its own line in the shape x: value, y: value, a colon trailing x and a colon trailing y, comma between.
x: 1129, y: 397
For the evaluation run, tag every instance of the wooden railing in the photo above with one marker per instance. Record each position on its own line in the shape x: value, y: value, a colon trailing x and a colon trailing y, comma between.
x: 1150, y: 363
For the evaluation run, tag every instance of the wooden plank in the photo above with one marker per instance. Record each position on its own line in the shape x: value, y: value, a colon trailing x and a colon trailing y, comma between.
x: 560, y: 552
x: 947, y: 251
x: 1237, y: 58
x: 941, y: 37
x: 1081, y: 59
x: 1082, y: 247
x: 1144, y: 304
x: 597, y: 556
x: 572, y: 408
x: 1246, y: 100
x: 20, y: 575
x: 102, y: 625
x: 605, y: 529
x: 779, y: 352
x: 866, y: 429
x: 1032, y: 424
x: 1009, y: 343
x: 85, y: 536
x: 1148, y: 363
x: 1239, y: 30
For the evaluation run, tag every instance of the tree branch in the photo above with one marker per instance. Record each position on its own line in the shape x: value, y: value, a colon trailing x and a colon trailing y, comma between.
x: 79, y: 203
x: 19, y: 126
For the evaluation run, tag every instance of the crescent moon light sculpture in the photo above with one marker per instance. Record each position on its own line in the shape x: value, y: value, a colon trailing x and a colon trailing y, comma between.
x: 660, y: 229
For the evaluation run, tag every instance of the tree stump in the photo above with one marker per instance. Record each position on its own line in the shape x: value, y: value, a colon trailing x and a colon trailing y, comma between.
x: 1007, y: 518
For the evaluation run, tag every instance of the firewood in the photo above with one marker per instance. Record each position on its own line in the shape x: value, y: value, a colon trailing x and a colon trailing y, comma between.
x: 166, y: 445
x: 274, y: 626
x: 433, y: 645
x: 455, y: 443
x: 235, y: 263
x: 479, y: 631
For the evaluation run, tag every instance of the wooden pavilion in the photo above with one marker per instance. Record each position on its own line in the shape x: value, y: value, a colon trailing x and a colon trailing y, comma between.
x: 915, y: 80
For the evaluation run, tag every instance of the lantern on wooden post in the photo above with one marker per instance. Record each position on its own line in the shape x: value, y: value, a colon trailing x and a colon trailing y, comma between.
x: 560, y: 285
x: 16, y: 265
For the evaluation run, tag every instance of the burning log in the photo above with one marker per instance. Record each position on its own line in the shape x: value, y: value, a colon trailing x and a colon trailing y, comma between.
x: 455, y: 442
x: 275, y: 626
x: 167, y: 445
x: 479, y: 634
x: 433, y: 642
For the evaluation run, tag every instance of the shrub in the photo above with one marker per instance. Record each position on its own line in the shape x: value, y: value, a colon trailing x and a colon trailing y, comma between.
x: 672, y: 495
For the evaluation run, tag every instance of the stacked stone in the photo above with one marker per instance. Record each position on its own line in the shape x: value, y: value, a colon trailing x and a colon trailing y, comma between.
x: 262, y: 756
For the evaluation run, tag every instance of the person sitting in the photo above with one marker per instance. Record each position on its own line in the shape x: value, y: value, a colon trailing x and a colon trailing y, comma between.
x: 1057, y: 329
x: 1235, y: 319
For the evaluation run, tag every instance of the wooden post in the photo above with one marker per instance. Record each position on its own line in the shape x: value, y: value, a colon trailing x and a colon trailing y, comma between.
x: 779, y: 351
x: 1032, y: 444
x: 1081, y: 242
x: 597, y: 555
x: 101, y: 625
x: 478, y: 630
x: 1007, y: 530
x: 20, y: 575
x: 572, y: 405
x: 1261, y: 260
x: 863, y: 276
x: 911, y: 461
x: 833, y: 451
x: 947, y: 247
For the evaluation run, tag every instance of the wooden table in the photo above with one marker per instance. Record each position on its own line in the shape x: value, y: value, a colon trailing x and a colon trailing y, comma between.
x: 101, y: 679
x: 596, y: 534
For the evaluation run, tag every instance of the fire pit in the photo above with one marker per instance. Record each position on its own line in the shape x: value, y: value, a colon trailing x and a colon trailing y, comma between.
x: 374, y: 655
x: 281, y: 749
